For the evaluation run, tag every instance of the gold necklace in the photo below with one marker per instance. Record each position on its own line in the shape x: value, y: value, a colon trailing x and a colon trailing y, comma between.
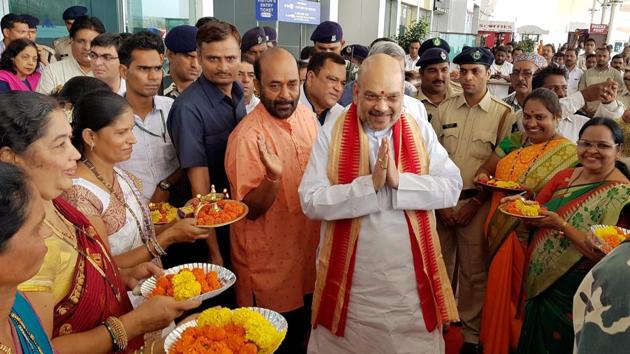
x: 69, y: 240
x: 6, y: 349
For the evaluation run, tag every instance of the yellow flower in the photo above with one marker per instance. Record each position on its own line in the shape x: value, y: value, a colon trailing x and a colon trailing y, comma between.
x: 258, y: 330
x: 527, y: 208
x: 216, y: 316
x: 606, y: 231
x: 185, y: 285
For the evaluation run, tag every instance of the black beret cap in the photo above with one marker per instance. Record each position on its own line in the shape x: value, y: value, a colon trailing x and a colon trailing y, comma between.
x: 356, y: 50
x: 434, y: 43
x: 327, y: 32
x: 181, y: 39
x: 253, y: 37
x: 474, y: 55
x: 432, y: 56
x: 31, y: 20
x: 73, y: 12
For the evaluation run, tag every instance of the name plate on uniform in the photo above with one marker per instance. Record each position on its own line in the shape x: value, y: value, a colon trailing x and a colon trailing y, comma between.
x: 447, y: 126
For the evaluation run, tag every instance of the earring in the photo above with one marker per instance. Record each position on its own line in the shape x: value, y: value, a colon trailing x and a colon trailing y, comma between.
x: 92, y: 147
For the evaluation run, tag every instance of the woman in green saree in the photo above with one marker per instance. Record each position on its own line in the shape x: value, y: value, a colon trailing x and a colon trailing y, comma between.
x: 560, y: 252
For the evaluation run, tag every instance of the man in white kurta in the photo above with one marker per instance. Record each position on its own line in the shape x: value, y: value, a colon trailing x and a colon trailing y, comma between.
x: 384, y: 314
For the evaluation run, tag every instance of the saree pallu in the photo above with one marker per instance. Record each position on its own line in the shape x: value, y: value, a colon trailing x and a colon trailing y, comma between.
x: 532, y: 166
x: 556, y: 268
x: 91, y: 298
x: 33, y: 338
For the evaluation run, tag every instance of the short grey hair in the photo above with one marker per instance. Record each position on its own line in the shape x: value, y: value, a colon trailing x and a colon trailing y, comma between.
x: 393, y: 50
x: 390, y: 48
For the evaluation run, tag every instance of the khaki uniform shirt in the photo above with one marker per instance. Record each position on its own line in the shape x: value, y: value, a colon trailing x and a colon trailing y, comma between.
x: 595, y: 76
x: 46, y: 54
x: 470, y: 134
x: 452, y: 89
x: 62, y: 47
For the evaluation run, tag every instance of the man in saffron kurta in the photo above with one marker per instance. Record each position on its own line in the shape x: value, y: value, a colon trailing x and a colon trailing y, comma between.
x: 375, y: 177
x: 273, y: 249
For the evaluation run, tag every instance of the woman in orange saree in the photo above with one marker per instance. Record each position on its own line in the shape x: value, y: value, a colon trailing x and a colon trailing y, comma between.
x: 530, y: 158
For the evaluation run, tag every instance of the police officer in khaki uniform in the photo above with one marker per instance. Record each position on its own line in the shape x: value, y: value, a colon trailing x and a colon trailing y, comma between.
x: 470, y: 125
x: 436, y: 86
x: 62, y: 45
x: 46, y: 54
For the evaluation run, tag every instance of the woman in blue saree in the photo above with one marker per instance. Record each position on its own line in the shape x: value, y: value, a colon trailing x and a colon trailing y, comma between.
x: 22, y: 252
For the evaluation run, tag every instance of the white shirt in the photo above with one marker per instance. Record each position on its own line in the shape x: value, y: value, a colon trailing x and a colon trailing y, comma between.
x: 410, y: 64
x: 384, y: 314
x: 252, y: 103
x: 574, y: 79
x: 58, y: 73
x: 573, y: 102
x: 570, y: 125
x: 415, y: 108
x: 333, y: 112
x: 122, y: 88
x: 504, y: 69
x: 153, y: 157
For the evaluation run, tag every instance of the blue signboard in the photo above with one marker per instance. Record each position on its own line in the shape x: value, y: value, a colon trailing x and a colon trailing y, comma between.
x: 299, y: 11
x: 267, y: 10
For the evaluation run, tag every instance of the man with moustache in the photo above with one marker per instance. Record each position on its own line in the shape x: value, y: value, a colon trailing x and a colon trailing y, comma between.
x: 525, y: 67
x: 183, y: 59
x: 434, y: 75
x: 600, y: 73
x: 203, y: 116
x: 83, y: 31
x: 375, y: 176
x: 573, y: 71
x: 470, y: 126
x: 273, y: 249
x: 325, y: 80
x: 153, y: 159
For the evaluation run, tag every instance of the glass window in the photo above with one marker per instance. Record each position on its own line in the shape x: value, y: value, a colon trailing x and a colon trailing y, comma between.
x: 49, y: 13
x: 162, y: 15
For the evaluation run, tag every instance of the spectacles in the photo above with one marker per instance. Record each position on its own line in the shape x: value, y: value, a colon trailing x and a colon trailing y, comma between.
x: 105, y: 57
x: 583, y: 144
x: 525, y: 74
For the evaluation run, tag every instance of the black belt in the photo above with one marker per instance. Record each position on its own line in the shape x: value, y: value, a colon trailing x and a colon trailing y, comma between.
x: 468, y: 193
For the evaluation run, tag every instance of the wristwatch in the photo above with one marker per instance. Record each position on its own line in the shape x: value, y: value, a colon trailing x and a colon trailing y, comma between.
x: 165, y: 185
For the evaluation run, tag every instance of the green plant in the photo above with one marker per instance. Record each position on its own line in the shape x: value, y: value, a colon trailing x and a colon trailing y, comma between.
x: 527, y: 44
x: 415, y: 31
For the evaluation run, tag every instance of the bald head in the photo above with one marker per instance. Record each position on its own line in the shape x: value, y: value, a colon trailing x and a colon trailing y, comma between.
x: 383, y: 66
x: 378, y: 92
x: 280, y: 57
x: 278, y: 82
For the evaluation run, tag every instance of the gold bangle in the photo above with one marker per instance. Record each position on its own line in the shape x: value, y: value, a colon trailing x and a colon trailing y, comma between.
x: 119, y: 335
x: 152, y: 344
